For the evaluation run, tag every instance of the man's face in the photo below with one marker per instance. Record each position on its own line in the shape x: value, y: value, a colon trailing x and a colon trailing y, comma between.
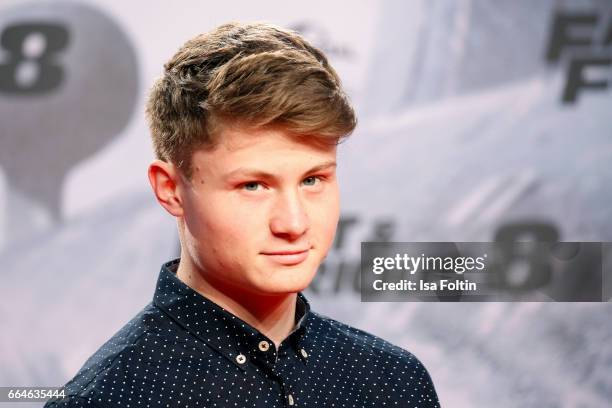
x: 261, y: 211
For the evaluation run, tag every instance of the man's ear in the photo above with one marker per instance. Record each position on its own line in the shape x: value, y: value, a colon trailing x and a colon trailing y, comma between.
x: 165, y: 181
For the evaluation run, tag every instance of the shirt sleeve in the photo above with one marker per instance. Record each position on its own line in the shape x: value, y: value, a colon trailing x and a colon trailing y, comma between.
x: 427, y: 395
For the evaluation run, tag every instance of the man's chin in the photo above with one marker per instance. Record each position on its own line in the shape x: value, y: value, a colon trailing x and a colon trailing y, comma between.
x: 284, y: 282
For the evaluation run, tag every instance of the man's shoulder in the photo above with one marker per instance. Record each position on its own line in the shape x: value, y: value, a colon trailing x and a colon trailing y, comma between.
x: 361, y: 340
x: 380, y: 367
x: 117, y: 356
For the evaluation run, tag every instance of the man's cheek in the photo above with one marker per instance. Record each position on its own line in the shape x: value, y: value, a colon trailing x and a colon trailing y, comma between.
x: 241, y: 228
x: 226, y: 216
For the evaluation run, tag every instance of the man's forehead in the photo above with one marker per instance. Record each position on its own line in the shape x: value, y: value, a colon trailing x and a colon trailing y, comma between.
x: 239, y: 137
x: 262, y: 152
x: 238, y: 141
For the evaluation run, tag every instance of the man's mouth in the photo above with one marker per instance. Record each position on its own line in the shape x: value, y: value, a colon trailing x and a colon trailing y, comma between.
x: 288, y: 257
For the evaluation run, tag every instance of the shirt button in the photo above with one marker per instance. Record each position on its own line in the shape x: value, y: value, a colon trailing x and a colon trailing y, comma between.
x: 264, y: 345
x: 290, y: 399
x: 240, y: 359
x: 303, y: 353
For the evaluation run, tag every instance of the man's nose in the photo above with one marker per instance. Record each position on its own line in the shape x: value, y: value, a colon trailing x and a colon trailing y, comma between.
x: 289, y: 218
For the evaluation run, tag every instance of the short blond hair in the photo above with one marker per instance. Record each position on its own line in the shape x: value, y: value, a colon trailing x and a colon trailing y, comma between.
x: 257, y: 74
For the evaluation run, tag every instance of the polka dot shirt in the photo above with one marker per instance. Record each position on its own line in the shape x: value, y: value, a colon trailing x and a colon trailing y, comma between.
x: 183, y: 350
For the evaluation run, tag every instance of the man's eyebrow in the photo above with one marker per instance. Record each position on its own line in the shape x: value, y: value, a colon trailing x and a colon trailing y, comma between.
x: 245, y: 171
x: 323, y: 166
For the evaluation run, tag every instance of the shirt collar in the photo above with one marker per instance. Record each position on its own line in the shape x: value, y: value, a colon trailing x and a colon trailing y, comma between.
x: 213, y: 324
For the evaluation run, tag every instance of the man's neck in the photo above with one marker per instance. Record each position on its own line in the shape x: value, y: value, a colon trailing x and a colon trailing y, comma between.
x: 273, y: 316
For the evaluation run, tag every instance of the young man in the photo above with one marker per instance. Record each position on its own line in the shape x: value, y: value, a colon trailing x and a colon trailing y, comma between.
x: 245, y: 124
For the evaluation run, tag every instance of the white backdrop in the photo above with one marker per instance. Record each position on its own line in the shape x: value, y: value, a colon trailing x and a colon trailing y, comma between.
x: 462, y: 131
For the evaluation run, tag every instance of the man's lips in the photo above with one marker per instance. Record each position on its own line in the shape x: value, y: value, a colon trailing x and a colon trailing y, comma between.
x: 287, y: 257
x: 288, y: 252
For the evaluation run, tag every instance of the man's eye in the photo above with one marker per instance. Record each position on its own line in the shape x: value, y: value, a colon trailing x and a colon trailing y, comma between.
x: 251, y: 186
x: 311, y: 181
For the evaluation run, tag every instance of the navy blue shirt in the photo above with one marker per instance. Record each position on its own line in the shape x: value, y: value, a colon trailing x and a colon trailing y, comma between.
x: 183, y: 350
